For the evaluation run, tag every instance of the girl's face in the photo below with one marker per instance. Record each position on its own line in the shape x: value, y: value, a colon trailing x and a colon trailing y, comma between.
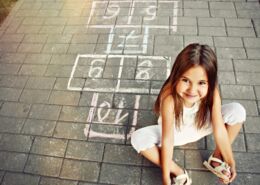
x: 192, y: 85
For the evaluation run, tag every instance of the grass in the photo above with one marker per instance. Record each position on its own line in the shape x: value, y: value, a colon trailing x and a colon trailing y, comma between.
x: 5, y: 7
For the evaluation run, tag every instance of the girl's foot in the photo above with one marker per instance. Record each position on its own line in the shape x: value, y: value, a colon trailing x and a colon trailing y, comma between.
x: 182, y: 179
x: 216, y: 165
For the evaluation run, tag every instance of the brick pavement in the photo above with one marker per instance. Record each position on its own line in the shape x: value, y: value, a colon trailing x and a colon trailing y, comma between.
x: 77, y: 77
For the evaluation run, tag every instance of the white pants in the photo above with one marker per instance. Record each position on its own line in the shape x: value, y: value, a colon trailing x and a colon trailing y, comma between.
x: 147, y: 137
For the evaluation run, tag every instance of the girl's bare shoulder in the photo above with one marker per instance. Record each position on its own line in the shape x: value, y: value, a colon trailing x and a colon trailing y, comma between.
x: 168, y: 103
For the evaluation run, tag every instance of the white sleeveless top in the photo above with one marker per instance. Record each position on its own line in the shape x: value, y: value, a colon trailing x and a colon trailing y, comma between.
x: 188, y: 131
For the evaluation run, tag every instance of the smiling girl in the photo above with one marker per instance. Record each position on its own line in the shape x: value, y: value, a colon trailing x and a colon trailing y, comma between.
x: 189, y: 108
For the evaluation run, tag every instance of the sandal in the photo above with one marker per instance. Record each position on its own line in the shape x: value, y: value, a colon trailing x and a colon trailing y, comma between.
x: 182, y: 179
x: 218, y: 170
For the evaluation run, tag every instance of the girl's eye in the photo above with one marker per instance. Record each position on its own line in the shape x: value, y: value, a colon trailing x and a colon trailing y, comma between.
x: 202, y: 83
x: 185, y: 80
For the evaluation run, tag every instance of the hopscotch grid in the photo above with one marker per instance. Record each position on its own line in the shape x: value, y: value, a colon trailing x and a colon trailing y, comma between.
x: 128, y: 128
x: 117, y: 88
x: 173, y: 27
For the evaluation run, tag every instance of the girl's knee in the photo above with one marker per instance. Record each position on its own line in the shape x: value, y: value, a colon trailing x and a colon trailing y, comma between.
x: 236, y: 114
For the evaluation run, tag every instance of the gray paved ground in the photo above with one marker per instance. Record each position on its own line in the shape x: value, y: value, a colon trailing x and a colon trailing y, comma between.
x: 77, y: 76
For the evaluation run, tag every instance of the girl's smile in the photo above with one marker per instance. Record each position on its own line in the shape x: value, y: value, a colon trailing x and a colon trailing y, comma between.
x: 193, y: 85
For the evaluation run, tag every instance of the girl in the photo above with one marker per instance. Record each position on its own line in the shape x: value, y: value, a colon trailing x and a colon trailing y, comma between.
x: 189, y: 108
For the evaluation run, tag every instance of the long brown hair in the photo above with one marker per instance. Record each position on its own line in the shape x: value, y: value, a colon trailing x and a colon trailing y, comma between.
x: 192, y: 55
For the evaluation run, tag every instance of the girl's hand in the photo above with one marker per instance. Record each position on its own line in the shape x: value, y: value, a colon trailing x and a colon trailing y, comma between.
x: 233, y: 173
x: 231, y: 176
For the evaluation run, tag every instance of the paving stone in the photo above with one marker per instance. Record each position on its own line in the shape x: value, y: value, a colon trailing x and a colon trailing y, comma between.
x: 252, y: 42
x: 30, y: 48
x: 151, y: 176
x: 196, y: 12
x: 64, y: 98
x: 55, y: 48
x: 1, y: 175
x: 62, y: 83
x: 145, y: 118
x: 211, y: 31
x: 195, y: 5
x: 9, y: 68
x: 14, y: 58
x: 244, y: 78
x: 34, y: 70
x: 178, y: 157
x: 248, y: 179
x: 58, y: 71
x: 85, y: 151
x: 40, y: 83
x: 198, y: 39
x: 228, y: 42
x: 240, y: 32
x: 60, y: 39
x: 247, y: 6
x: 56, y: 181
x: 11, y: 38
x: 35, y: 38
x: 63, y: 59
x: 37, y: 59
x: 237, y: 92
x: 10, y: 94
x: 130, y: 101
x: 226, y: 77
x: 84, y: 38
x: 234, y: 53
x: 87, y: 97
x: 12, y: 161
x: 13, y: 81
x: 234, y: 22
x: 108, y: 133
x: 247, y: 65
x: 74, y: 114
x: 34, y: 96
x: 195, y: 158
x: 249, y: 105
x: 11, y: 125
x: 36, y: 164
x: 211, y: 21
x: 39, y: 127
x: 106, y: 85
x: 223, y: 13
x: 55, y: 21
x: 14, y: 109
x: 20, y: 179
x: 131, y: 174
x: 48, y: 112
x: 252, y: 125
x: 17, y: 143
x: 33, y: 21
x: 81, y: 48
x: 80, y: 170
x: 253, y: 53
x: 238, y: 145
x: 49, y: 146
x: 29, y: 29
x: 252, y: 142
x: 257, y: 92
x: 204, y: 178
x: 185, y: 30
x: 70, y: 130
x: 247, y: 14
x: 119, y: 154
x: 9, y: 47
x: 246, y: 162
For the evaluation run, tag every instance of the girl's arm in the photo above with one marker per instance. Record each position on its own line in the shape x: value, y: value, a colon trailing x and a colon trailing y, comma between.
x: 167, y: 113
x: 220, y: 132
